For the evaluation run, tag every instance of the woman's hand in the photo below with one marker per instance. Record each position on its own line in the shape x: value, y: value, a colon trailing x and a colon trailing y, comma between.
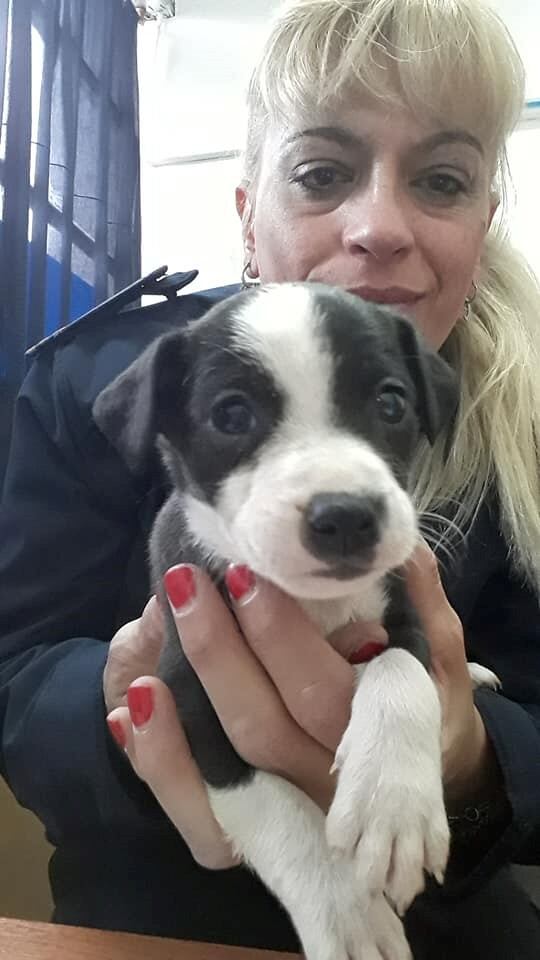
x: 304, y: 674
x: 149, y: 732
x: 470, y: 768
x: 287, y: 718
x: 282, y: 693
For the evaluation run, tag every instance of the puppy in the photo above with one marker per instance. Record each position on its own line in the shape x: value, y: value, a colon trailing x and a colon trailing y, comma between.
x: 287, y: 418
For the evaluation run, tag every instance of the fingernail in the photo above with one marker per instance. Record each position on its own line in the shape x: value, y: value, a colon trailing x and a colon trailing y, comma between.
x: 180, y: 586
x: 367, y: 652
x: 241, y: 583
x: 117, y: 731
x: 141, y: 704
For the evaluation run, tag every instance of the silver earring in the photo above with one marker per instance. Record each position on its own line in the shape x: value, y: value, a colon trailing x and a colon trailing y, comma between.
x: 469, y: 302
x: 248, y: 281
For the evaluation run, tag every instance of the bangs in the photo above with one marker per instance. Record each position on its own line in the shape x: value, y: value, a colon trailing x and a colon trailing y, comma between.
x: 450, y: 62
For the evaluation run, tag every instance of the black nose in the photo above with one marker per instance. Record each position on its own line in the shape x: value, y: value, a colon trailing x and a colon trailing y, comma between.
x: 340, y: 526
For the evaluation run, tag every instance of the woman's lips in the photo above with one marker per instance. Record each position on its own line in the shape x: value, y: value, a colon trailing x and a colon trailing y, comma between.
x: 392, y: 296
x: 401, y: 300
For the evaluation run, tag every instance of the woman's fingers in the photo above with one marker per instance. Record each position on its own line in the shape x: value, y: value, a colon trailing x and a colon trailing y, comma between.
x: 465, y: 747
x: 242, y: 694
x: 441, y: 623
x: 159, y: 753
x: 247, y: 700
x: 315, y: 683
x: 300, y: 669
x: 358, y: 641
x: 133, y: 651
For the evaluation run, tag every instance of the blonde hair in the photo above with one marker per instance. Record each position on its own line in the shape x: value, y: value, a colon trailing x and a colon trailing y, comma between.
x: 451, y: 61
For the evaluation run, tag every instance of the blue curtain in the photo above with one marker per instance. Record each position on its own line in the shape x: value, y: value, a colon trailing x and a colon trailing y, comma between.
x: 69, y: 170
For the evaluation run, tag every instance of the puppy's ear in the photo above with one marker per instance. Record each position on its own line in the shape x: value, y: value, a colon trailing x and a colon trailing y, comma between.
x: 435, y: 381
x: 135, y: 407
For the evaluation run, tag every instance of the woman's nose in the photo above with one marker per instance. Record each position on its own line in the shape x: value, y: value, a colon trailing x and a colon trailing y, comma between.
x: 378, y: 221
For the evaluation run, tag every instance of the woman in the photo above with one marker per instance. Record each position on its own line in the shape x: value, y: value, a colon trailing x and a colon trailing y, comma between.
x: 375, y: 161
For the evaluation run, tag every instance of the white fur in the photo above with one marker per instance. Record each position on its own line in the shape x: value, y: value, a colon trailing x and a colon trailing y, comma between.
x: 368, y: 606
x: 258, y: 514
x: 388, y: 814
x: 482, y: 677
x: 279, y: 832
x: 278, y: 329
x: 387, y: 824
x: 257, y: 517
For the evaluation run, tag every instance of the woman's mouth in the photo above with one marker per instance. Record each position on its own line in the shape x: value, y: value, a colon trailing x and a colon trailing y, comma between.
x: 393, y: 296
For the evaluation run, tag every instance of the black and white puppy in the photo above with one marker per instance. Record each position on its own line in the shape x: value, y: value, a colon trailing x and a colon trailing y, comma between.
x: 287, y: 418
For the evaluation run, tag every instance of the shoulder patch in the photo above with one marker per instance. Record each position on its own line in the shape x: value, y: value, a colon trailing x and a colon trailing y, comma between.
x: 156, y: 283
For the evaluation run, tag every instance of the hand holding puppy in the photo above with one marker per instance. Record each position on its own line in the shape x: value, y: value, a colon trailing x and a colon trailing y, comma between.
x: 282, y: 693
x: 265, y: 723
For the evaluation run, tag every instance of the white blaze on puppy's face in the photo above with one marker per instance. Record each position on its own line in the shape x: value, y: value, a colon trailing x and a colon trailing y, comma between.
x: 258, y: 514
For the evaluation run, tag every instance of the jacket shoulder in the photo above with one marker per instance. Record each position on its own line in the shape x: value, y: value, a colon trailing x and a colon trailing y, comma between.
x: 93, y: 350
x: 120, y: 306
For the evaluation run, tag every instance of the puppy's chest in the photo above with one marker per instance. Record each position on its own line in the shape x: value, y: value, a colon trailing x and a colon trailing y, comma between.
x: 366, y: 605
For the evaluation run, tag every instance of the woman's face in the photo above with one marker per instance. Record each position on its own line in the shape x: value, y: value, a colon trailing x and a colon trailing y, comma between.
x: 373, y: 201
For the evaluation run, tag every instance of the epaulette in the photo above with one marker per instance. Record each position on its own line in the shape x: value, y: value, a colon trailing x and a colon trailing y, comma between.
x: 155, y: 284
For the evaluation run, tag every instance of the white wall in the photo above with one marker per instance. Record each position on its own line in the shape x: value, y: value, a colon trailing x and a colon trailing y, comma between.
x: 524, y: 156
x: 194, y: 71
x: 522, y: 18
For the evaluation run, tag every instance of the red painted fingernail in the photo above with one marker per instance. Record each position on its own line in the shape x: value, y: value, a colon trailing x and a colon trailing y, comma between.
x: 240, y: 581
x: 180, y: 585
x: 367, y: 652
x: 117, y: 731
x: 141, y: 704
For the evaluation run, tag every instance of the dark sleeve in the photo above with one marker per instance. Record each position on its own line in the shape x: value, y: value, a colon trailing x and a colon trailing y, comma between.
x: 66, y: 530
x: 504, y: 635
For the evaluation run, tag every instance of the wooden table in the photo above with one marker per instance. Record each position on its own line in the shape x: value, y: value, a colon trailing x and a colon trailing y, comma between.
x: 21, y: 940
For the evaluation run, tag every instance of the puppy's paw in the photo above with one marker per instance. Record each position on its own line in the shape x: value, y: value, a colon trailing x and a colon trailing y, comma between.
x: 389, y: 818
x: 482, y: 677
x: 387, y: 931
x: 351, y: 928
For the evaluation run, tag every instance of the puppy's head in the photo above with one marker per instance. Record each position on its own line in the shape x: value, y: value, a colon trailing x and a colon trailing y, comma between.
x: 288, y: 418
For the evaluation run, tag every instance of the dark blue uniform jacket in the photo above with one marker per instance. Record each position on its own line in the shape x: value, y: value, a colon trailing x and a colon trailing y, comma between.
x: 73, y: 530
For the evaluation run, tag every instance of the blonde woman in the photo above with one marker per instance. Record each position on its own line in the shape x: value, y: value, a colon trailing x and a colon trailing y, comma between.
x: 375, y: 161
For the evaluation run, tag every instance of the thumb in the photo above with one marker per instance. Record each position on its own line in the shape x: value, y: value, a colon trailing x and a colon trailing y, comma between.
x: 423, y: 580
x: 440, y: 622
x: 150, y: 635
x: 134, y: 651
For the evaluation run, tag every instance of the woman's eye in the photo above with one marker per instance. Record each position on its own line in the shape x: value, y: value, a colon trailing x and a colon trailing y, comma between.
x: 321, y: 179
x: 233, y: 415
x: 444, y: 185
x: 391, y: 405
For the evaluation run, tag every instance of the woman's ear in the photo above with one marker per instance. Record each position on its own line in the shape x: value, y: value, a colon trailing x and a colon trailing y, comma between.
x: 242, y: 201
x: 245, y: 210
x: 494, y: 201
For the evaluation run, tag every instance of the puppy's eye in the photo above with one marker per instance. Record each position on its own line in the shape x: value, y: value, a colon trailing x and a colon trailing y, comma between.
x: 391, y: 403
x: 233, y: 415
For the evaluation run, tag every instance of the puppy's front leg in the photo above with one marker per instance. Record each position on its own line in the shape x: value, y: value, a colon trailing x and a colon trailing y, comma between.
x: 279, y: 832
x: 388, y: 814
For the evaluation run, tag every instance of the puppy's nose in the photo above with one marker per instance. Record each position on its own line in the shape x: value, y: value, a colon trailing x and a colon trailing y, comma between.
x: 340, y: 526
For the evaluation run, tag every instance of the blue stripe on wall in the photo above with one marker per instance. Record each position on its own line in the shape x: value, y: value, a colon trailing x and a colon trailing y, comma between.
x: 82, y: 297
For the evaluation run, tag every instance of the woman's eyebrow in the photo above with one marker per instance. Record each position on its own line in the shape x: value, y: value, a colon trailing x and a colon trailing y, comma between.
x: 346, y: 138
x: 444, y: 137
x: 340, y: 135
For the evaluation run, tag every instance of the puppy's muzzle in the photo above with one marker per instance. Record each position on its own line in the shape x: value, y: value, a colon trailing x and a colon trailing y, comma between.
x: 343, y: 531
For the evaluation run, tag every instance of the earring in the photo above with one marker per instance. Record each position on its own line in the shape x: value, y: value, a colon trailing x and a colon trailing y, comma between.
x: 249, y: 281
x: 469, y: 302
